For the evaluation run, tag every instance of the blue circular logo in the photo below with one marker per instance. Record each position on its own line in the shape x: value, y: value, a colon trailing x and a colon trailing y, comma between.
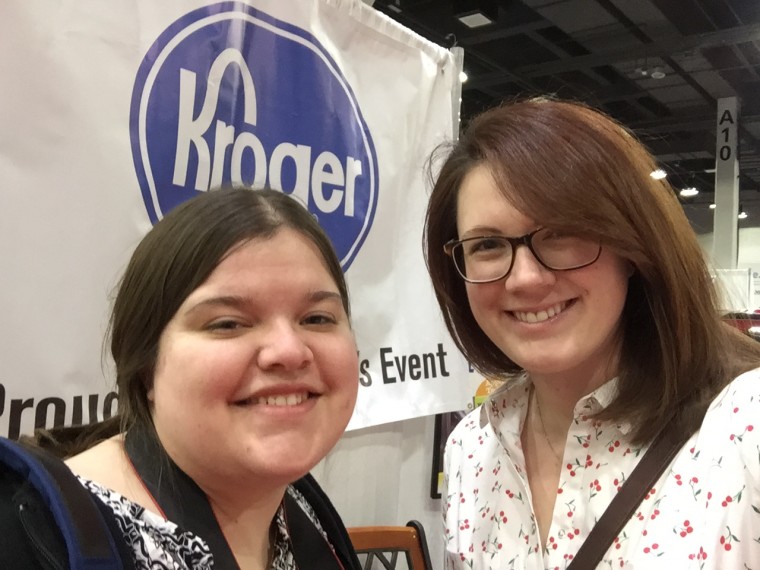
x: 228, y: 95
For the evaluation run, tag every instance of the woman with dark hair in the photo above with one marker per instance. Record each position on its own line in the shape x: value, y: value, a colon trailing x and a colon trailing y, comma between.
x: 564, y: 269
x: 236, y: 369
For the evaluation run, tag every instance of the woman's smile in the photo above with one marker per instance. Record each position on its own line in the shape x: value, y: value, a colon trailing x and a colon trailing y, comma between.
x: 540, y: 315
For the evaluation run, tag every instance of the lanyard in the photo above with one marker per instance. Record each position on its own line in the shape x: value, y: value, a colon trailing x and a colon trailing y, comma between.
x: 186, y: 505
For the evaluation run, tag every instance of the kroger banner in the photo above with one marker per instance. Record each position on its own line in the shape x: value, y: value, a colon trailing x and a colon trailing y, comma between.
x: 113, y: 113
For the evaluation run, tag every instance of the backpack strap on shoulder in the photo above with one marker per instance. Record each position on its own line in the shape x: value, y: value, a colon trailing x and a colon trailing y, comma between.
x: 89, y: 542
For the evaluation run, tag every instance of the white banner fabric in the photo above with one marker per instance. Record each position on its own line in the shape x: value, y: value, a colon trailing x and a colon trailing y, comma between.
x: 113, y: 112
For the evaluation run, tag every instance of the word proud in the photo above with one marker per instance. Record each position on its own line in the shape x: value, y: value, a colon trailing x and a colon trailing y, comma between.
x: 26, y: 414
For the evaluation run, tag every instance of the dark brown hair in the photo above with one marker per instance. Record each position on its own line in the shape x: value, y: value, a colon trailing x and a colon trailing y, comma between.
x: 577, y: 170
x: 175, y: 257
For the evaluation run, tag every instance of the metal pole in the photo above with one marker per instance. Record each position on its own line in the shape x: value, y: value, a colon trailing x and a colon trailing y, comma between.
x: 725, y: 224
x: 456, y: 93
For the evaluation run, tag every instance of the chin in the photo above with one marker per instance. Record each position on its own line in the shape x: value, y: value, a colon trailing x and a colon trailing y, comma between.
x: 291, y: 464
x: 288, y: 475
x: 548, y: 363
x: 276, y: 473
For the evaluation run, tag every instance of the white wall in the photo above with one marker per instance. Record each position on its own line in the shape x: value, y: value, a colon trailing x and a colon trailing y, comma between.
x: 381, y: 476
x: 748, y: 257
x: 749, y: 246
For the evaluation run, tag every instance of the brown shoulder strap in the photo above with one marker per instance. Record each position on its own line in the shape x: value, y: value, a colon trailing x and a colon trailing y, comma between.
x: 621, y: 508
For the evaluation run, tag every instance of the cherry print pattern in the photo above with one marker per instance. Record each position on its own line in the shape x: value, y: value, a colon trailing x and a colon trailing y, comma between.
x: 703, y: 513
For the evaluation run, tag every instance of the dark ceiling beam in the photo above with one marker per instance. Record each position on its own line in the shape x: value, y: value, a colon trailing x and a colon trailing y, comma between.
x: 691, y: 82
x: 632, y: 27
x: 503, y: 33
x: 558, y: 51
x: 688, y: 146
x: 694, y: 123
x: 617, y: 92
x: 745, y: 63
x: 686, y: 123
x: 486, y: 80
x: 662, y: 48
x: 561, y: 52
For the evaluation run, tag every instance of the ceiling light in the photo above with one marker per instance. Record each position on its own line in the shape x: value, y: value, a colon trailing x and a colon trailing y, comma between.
x: 712, y: 206
x: 689, y: 192
x: 742, y: 215
x: 475, y: 20
x: 656, y: 72
x: 658, y: 174
x: 462, y: 76
x: 476, y: 13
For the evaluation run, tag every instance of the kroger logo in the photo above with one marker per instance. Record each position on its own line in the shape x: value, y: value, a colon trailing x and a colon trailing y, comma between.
x: 230, y: 95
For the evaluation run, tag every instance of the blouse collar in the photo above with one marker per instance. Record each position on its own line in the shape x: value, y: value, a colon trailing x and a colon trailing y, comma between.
x: 514, y: 393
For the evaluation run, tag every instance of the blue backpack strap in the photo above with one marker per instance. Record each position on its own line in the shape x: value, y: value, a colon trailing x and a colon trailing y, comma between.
x: 88, y: 540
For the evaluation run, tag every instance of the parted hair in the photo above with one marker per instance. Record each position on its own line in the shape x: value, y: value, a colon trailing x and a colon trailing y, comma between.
x: 575, y: 169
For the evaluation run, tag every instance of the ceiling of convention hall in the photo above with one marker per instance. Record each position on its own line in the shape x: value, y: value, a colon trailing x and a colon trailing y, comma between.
x: 658, y: 66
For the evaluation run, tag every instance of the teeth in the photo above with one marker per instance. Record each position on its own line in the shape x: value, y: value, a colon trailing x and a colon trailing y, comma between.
x: 289, y: 400
x: 540, y: 316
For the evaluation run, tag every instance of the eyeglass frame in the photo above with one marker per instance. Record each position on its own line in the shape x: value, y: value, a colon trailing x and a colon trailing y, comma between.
x: 514, y: 242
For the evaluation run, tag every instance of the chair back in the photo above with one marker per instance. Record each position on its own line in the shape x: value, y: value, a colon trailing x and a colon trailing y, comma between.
x: 391, y: 547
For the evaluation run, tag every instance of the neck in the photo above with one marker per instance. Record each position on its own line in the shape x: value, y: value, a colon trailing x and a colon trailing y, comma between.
x: 559, y: 392
x: 554, y: 401
x: 548, y: 435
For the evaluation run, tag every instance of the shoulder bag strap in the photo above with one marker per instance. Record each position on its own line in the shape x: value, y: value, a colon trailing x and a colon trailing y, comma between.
x: 659, y: 455
x: 88, y: 540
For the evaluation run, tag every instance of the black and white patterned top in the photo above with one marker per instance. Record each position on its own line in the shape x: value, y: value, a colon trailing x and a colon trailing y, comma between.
x: 159, y: 544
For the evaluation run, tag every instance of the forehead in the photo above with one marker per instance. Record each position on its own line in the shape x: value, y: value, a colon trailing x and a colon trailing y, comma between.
x: 288, y: 254
x: 482, y: 206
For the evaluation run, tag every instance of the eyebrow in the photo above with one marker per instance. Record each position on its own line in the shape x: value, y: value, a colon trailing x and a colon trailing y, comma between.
x: 239, y: 302
x: 481, y: 231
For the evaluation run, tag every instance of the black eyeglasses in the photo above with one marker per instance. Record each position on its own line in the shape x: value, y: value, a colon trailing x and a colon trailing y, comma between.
x: 483, y: 259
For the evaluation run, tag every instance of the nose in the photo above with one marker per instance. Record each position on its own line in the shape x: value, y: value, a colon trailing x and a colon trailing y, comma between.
x: 282, y: 347
x: 527, y: 272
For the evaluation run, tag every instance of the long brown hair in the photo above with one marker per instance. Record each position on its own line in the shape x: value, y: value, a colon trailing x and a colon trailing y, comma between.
x: 577, y: 170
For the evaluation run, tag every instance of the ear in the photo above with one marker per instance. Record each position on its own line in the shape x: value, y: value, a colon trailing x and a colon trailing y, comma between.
x: 148, y: 384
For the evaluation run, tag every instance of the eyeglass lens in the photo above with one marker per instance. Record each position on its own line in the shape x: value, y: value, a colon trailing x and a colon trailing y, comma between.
x: 490, y: 258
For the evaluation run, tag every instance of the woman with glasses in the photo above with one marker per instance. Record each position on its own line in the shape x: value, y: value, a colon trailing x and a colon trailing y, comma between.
x: 564, y: 269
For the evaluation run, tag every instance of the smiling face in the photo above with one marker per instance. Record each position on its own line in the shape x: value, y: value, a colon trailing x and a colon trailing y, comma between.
x: 257, y: 372
x: 550, y: 323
